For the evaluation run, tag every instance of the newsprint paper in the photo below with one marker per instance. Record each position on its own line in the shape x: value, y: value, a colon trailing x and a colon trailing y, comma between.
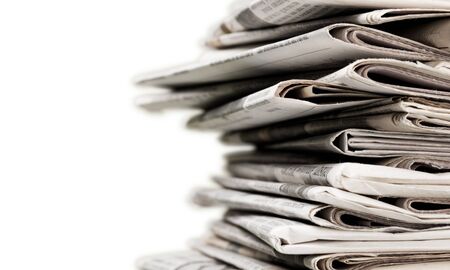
x: 371, y: 143
x: 376, y: 76
x: 429, y: 211
x: 209, y: 96
x: 233, y: 238
x: 408, y: 115
x: 319, y: 214
x: 284, y: 101
x: 332, y: 46
x: 412, y: 16
x: 359, y: 178
x: 265, y: 13
x: 425, y: 163
x: 298, y: 238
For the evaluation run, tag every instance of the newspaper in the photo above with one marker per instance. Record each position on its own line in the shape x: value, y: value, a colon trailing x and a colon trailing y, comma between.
x: 392, y: 77
x: 406, y: 210
x: 359, y: 178
x: 262, y: 14
x: 298, y: 238
x: 235, y: 259
x: 238, y: 236
x: 239, y: 249
x: 398, y: 114
x: 209, y: 96
x: 375, y: 17
x: 181, y: 260
x: 345, y: 261
x: 417, y: 163
x: 303, y: 128
x: 371, y: 143
x: 319, y: 214
x: 332, y: 46
x: 283, y: 101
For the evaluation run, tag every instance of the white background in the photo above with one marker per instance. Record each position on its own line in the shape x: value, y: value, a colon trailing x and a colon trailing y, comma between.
x: 87, y: 181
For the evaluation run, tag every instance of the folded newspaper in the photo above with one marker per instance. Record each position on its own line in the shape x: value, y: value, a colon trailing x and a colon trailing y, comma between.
x: 235, y: 259
x: 395, y: 122
x: 413, y: 210
x: 266, y: 13
x: 415, y: 16
x: 424, y: 163
x: 384, y: 76
x: 332, y: 46
x: 319, y: 214
x: 372, y: 143
x: 298, y: 238
x: 210, y: 96
x: 367, y: 179
x: 233, y: 238
x: 283, y: 101
x: 392, y: 77
x: 408, y: 210
x: 400, y: 114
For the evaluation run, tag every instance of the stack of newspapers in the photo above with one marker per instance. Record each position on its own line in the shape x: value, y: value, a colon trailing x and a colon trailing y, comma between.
x: 346, y: 105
